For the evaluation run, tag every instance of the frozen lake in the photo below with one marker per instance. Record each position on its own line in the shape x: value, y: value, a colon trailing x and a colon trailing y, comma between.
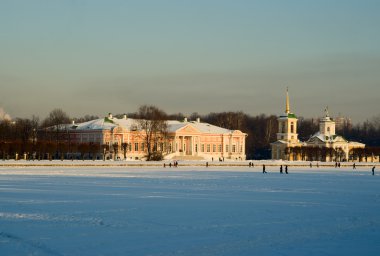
x: 188, y: 211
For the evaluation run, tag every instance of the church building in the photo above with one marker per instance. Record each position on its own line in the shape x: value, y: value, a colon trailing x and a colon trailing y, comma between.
x: 287, y: 136
x: 325, y: 145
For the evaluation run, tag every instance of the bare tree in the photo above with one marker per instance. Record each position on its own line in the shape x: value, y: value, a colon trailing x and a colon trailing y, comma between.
x: 85, y: 118
x: 152, y: 123
x: 56, y: 121
x: 124, y: 146
x: 115, y: 148
x: 105, y: 149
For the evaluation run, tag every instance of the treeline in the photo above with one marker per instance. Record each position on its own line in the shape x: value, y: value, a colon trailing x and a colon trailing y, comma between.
x: 31, y: 136
x: 307, y: 153
x: 24, y: 138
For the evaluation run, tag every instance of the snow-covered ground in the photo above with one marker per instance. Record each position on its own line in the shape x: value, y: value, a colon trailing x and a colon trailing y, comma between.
x: 139, y: 163
x: 188, y: 211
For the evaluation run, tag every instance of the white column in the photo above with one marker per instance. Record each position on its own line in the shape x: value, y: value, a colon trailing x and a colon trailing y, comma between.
x: 192, y: 145
x: 230, y: 146
x: 243, y: 147
x: 182, y: 147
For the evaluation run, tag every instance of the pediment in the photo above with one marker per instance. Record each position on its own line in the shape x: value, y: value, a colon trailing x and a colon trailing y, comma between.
x: 237, y: 132
x: 118, y: 129
x: 188, y: 129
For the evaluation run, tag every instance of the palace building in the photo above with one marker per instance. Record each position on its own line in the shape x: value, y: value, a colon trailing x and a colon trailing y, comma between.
x: 325, y: 145
x: 192, y: 140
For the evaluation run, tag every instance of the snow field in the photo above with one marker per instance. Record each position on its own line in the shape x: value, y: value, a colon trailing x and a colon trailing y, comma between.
x: 188, y: 211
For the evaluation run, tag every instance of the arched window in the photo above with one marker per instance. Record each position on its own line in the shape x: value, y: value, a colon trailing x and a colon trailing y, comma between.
x: 283, y: 128
x: 291, y: 127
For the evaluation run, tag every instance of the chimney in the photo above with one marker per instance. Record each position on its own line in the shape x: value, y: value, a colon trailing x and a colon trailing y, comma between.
x: 185, y: 119
x: 109, y: 116
x: 125, y: 117
x: 198, y: 120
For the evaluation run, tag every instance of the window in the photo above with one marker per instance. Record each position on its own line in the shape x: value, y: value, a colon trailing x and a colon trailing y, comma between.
x: 142, y: 146
x: 227, y: 149
x: 292, y: 127
x: 170, y: 147
x: 220, y: 148
x: 234, y: 148
x: 136, y: 147
x: 208, y: 147
x: 241, y: 149
x: 213, y: 148
x: 203, y: 148
x: 328, y: 129
x: 196, y: 147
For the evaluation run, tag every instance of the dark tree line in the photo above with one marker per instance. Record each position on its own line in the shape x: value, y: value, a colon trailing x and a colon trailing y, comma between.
x: 35, y: 139
x: 32, y: 139
x: 331, y: 154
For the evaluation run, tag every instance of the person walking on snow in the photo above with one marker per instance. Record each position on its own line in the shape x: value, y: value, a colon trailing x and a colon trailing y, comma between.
x: 281, y: 169
x: 373, y: 170
x: 264, y: 169
x: 286, y: 169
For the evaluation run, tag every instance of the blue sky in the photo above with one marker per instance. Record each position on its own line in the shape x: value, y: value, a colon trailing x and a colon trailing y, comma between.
x: 95, y: 57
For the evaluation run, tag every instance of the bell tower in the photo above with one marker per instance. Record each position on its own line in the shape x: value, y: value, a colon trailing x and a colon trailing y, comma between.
x: 287, y: 124
x: 326, y: 124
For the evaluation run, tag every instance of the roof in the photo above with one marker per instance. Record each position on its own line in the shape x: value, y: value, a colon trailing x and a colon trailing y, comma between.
x: 130, y: 124
x: 279, y: 142
x: 356, y: 144
x: 103, y: 124
x: 327, y: 138
x: 288, y: 115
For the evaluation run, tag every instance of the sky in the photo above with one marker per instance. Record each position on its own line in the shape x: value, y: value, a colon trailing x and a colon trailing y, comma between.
x: 95, y: 57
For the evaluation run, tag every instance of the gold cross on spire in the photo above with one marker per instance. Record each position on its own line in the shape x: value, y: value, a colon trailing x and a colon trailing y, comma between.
x: 287, y: 109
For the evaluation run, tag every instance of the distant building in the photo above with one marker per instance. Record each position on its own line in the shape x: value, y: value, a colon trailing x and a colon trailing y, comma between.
x: 326, y: 138
x: 185, y: 140
x: 325, y: 145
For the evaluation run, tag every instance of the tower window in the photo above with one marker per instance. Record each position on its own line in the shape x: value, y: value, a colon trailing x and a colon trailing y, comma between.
x: 292, y: 127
